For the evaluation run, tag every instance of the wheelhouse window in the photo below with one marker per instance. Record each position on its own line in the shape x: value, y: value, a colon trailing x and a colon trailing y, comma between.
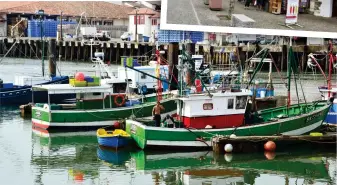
x: 230, y: 103
x: 208, y: 106
x: 241, y: 102
x: 97, y: 94
x: 143, y: 76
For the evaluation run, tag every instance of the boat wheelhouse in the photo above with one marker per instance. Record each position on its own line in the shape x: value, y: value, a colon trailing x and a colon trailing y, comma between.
x: 221, y: 110
x: 331, y: 118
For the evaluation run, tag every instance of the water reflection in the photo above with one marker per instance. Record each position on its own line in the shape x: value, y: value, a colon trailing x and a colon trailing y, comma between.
x: 76, y: 158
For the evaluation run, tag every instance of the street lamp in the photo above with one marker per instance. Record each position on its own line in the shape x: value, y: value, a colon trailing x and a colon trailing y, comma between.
x: 136, y: 24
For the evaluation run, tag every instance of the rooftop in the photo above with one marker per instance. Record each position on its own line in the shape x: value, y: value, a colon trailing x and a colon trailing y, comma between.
x: 97, y: 9
x: 144, y: 11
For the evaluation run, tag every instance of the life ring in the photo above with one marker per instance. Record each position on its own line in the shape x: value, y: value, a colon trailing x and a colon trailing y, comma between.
x: 122, y: 102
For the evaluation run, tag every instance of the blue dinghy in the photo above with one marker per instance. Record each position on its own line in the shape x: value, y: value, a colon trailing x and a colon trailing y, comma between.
x: 114, y: 139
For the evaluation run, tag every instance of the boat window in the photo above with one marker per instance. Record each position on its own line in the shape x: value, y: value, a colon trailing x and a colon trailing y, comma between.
x: 208, y: 106
x: 230, y: 104
x: 241, y: 102
x: 143, y: 76
x: 96, y: 93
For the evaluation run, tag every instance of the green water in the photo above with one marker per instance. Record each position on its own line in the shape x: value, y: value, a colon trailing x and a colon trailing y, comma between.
x: 67, y: 158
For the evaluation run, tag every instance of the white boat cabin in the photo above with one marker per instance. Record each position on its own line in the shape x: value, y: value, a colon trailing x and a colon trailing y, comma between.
x: 222, y: 110
x: 325, y: 93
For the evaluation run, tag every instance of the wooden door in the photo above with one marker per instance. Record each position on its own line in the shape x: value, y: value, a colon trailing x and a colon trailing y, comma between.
x: 334, y: 8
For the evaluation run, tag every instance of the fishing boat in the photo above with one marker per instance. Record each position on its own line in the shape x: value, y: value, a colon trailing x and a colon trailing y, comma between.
x: 99, y: 106
x: 329, y: 91
x: 115, y: 139
x: 205, y: 114
x: 19, y: 92
x: 95, y: 107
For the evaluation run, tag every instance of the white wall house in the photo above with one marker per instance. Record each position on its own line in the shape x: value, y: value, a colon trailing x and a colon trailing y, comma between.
x: 147, y: 21
x: 324, y: 8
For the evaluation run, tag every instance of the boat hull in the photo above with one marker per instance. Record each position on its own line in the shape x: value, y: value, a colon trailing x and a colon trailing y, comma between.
x: 93, y: 119
x: 147, y: 136
x: 23, y: 94
x: 113, y: 141
x: 331, y: 118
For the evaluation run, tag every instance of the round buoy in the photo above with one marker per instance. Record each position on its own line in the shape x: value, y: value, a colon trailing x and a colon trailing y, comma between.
x: 79, y: 76
x: 232, y: 136
x: 116, y: 125
x: 228, y: 157
x: 270, y: 146
x: 228, y: 148
x: 269, y: 155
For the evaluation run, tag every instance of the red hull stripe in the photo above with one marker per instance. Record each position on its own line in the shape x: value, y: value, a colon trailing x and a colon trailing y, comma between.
x: 223, y: 121
x: 36, y: 124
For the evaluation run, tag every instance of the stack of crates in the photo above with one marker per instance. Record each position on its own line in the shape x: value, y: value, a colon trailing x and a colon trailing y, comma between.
x: 49, y: 27
x: 167, y: 36
x: 88, y: 81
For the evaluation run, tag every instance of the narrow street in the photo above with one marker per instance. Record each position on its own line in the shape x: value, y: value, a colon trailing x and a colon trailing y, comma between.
x: 195, y: 12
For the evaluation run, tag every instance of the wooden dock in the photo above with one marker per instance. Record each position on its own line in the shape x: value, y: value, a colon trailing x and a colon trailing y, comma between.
x: 256, y: 143
x: 73, y: 50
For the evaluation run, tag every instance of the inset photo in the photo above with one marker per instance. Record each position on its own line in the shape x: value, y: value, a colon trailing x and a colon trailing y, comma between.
x: 292, y: 16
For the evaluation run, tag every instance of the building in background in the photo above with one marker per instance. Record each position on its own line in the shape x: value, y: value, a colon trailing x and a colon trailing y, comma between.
x: 147, y: 21
x: 109, y: 15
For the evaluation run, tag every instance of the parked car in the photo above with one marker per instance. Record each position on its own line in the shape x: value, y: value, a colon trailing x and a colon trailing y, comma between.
x: 125, y: 36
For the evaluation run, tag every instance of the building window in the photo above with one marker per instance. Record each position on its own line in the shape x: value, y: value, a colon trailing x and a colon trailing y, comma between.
x: 143, y: 76
x: 241, y: 102
x: 141, y: 19
x: 230, y: 104
x: 208, y: 106
x: 154, y: 22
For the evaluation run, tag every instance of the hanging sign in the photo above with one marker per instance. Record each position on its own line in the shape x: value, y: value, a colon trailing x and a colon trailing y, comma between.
x: 292, y: 11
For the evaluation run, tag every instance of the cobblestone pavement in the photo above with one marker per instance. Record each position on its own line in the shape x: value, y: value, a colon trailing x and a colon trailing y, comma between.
x: 195, y: 12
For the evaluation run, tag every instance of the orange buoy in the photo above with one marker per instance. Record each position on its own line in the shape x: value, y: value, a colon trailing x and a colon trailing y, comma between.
x: 116, y: 125
x: 270, y: 146
x: 269, y: 155
x: 79, y: 76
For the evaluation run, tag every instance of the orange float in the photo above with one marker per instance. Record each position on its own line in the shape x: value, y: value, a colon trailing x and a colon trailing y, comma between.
x: 270, y: 146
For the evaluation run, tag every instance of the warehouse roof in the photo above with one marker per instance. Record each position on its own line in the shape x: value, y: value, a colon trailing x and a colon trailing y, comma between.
x: 97, y: 9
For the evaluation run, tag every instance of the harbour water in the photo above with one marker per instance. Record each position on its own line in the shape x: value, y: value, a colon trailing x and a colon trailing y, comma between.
x: 30, y: 157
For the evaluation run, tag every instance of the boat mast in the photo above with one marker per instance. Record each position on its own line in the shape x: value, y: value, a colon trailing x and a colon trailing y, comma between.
x: 289, y: 70
x: 330, y: 67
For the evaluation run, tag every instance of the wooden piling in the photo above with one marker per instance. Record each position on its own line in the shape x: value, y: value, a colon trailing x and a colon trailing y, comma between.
x: 173, y: 52
x: 52, y: 57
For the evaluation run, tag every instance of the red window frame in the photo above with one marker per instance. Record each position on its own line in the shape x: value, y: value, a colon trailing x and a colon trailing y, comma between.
x: 154, y: 22
x: 207, y: 106
x: 141, y: 19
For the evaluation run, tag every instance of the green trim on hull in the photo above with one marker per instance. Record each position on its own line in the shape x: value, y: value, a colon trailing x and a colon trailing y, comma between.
x: 100, y: 115
x: 294, y: 125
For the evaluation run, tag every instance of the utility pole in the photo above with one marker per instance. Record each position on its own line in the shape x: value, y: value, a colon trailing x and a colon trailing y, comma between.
x: 136, y: 35
x: 41, y: 14
x: 61, y: 37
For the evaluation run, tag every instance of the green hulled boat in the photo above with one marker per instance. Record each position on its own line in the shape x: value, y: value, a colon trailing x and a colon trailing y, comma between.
x: 205, y: 114
x: 95, y: 107
x: 269, y: 123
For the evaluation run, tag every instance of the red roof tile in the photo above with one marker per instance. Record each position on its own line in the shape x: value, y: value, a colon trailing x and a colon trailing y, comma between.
x: 143, y: 11
x: 157, y: 15
x: 69, y: 8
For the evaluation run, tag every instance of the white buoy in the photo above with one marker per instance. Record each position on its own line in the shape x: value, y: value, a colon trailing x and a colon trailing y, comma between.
x: 228, y: 157
x: 208, y: 126
x: 228, y: 148
x: 232, y: 136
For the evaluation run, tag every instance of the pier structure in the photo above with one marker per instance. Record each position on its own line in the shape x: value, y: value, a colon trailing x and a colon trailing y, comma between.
x: 74, y: 50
